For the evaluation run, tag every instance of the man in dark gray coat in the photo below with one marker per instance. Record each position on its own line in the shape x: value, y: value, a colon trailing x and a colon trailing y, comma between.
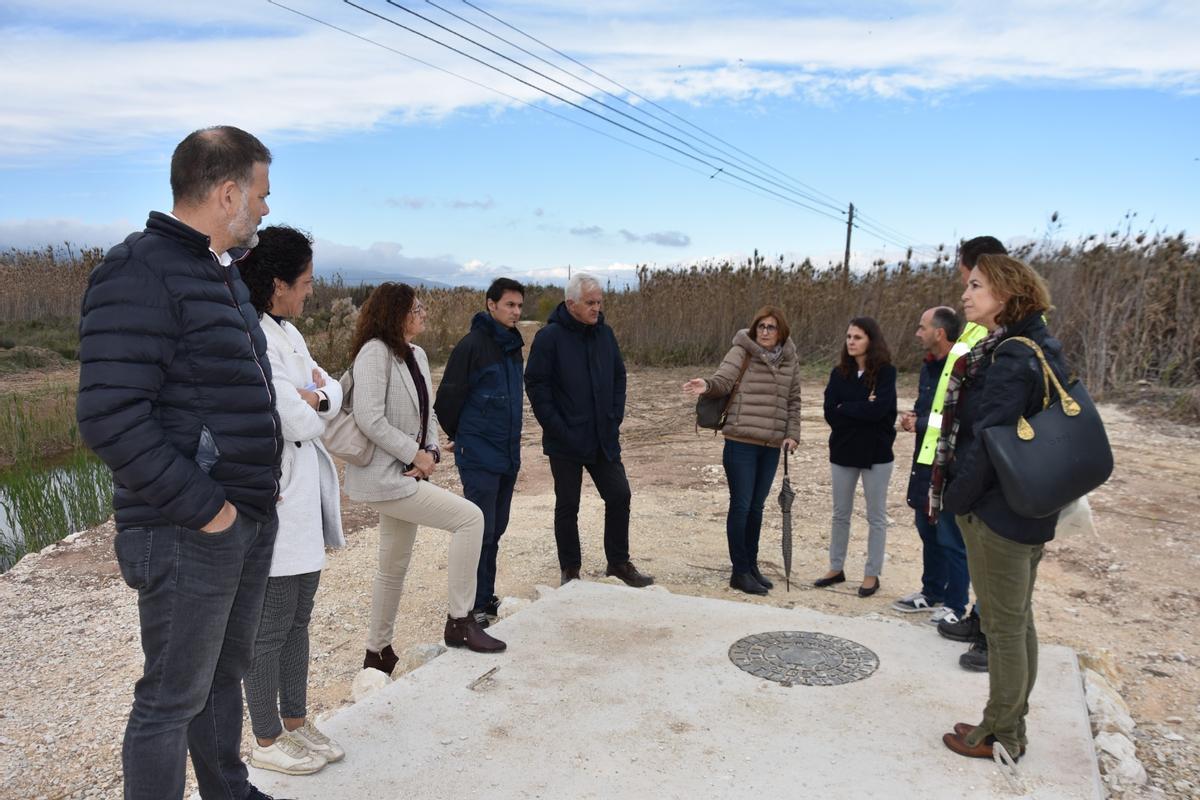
x: 575, y: 380
x: 175, y: 396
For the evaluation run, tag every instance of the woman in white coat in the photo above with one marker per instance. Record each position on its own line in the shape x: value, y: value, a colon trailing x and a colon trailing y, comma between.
x: 279, y: 274
x: 393, y: 406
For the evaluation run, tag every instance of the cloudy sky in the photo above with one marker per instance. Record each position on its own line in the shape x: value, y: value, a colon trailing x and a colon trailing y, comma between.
x: 739, y: 125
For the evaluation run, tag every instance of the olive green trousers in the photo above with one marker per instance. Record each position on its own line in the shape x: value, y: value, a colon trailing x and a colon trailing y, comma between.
x: 1003, y: 573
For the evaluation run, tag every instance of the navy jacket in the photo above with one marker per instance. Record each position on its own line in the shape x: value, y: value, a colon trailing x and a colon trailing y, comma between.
x: 919, y: 478
x: 479, y: 399
x: 575, y: 379
x: 175, y: 391
x: 861, y: 431
x: 1004, y: 389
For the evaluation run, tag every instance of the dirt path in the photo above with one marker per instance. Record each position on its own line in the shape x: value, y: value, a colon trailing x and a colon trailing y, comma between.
x: 69, y: 649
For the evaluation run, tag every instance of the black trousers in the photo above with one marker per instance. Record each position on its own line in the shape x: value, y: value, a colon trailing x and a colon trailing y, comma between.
x: 613, y: 486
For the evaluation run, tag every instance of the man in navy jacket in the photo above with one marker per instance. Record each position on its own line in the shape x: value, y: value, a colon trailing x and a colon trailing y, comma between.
x: 175, y: 396
x: 944, y: 577
x: 479, y: 406
x: 576, y: 385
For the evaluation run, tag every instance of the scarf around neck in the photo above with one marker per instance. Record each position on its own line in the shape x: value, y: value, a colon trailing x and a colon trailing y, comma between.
x: 965, y: 369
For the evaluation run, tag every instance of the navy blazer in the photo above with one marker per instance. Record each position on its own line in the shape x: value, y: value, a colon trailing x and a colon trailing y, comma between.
x: 861, y: 431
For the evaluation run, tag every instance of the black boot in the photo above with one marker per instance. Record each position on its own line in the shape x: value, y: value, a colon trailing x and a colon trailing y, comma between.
x: 965, y: 630
x: 758, y: 576
x: 745, y: 582
x: 629, y: 574
x: 975, y: 659
x: 465, y: 632
x: 385, y: 660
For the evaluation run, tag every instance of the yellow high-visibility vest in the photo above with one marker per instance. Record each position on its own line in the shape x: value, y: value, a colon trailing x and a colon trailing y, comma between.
x: 970, y: 337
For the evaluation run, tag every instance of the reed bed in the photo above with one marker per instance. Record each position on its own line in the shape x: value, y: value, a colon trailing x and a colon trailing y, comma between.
x: 42, y: 504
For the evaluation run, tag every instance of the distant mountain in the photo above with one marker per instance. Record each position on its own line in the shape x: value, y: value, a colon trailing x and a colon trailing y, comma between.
x: 354, y: 277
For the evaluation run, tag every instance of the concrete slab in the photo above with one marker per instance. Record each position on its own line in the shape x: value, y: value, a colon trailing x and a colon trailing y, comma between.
x: 613, y: 692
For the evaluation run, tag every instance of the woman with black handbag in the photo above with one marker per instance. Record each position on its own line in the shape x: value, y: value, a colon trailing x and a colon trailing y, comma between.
x: 760, y: 376
x: 999, y: 383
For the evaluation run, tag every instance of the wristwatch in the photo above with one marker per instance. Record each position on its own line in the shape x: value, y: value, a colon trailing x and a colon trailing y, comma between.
x: 322, y: 402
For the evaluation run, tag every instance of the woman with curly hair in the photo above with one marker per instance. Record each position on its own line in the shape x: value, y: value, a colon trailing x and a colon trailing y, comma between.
x: 860, y: 407
x: 393, y: 406
x: 279, y: 274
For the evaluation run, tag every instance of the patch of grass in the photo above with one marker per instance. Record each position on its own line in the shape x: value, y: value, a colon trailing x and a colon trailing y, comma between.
x: 37, y: 424
x: 57, y: 334
x: 42, y: 504
x: 25, y: 359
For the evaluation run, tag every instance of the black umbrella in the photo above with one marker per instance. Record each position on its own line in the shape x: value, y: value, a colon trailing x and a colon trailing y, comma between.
x: 786, y: 496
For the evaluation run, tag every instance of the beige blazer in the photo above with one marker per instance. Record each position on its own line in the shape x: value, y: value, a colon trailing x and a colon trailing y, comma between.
x: 389, y: 413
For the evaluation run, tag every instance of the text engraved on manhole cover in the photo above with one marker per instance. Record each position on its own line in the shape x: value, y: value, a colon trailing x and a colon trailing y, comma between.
x: 812, y: 659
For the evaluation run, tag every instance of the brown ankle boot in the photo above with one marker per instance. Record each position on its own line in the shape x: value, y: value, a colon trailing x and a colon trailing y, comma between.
x: 385, y: 660
x: 466, y: 633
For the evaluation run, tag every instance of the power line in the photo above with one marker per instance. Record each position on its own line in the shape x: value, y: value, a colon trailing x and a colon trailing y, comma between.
x: 742, y: 163
x: 746, y: 188
x: 873, y: 229
x: 493, y: 89
x: 837, y: 203
x: 573, y: 104
x: 589, y: 98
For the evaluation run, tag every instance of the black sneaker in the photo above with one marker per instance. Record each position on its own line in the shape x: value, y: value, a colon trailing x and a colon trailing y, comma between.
x: 492, y: 607
x: 975, y: 659
x: 964, y: 630
x: 482, y: 618
x: 255, y: 794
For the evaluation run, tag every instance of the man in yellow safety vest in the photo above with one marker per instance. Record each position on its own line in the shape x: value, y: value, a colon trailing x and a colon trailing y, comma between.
x: 968, y: 628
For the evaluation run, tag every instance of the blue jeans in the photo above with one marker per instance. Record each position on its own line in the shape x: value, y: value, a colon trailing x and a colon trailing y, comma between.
x: 492, y: 492
x: 750, y: 471
x: 944, y: 576
x: 200, y: 596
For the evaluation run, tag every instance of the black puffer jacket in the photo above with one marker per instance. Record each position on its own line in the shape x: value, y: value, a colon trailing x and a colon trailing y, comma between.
x: 575, y: 380
x: 1005, y: 388
x: 175, y: 389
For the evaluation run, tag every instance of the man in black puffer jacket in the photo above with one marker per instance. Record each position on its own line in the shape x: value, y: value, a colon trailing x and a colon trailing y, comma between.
x: 175, y: 395
x: 575, y: 379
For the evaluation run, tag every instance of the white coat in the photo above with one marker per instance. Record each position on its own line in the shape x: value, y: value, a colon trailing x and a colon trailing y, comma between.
x: 310, y: 513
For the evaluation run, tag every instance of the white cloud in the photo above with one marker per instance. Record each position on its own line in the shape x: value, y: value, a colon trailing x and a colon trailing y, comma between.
x: 85, y: 77
x: 38, y: 233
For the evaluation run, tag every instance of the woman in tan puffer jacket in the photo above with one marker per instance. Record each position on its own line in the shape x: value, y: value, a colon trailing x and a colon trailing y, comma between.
x: 763, y: 416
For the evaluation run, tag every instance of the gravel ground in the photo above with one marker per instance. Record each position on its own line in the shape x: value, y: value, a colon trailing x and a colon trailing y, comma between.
x: 69, y: 650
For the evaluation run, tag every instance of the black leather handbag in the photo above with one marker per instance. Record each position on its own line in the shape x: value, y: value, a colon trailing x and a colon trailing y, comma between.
x: 1046, y: 462
x: 711, y: 411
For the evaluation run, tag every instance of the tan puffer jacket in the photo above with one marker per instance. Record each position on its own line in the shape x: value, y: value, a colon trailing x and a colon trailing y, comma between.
x: 765, y: 409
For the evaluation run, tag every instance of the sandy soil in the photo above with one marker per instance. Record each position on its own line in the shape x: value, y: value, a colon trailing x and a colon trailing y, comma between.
x: 69, y: 649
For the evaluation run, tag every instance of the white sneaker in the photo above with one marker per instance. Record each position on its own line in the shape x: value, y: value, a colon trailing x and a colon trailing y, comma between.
x: 318, y: 743
x: 912, y: 602
x: 287, y: 755
x: 941, y: 614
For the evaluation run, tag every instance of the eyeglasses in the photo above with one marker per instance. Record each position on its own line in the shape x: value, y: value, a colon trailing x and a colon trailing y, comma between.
x: 767, y: 328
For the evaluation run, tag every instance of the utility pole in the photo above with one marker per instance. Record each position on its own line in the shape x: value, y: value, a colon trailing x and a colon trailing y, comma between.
x: 846, y: 263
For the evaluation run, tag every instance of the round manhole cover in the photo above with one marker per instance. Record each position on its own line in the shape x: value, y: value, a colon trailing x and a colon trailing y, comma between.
x: 812, y: 659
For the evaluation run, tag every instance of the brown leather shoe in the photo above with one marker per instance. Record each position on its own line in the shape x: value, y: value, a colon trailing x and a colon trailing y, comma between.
x: 629, y: 574
x: 385, y: 660
x: 569, y: 574
x: 957, y: 742
x: 466, y: 633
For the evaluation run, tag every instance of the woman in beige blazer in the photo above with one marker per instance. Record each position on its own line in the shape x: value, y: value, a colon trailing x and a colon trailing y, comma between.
x: 393, y: 406
x: 763, y: 416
